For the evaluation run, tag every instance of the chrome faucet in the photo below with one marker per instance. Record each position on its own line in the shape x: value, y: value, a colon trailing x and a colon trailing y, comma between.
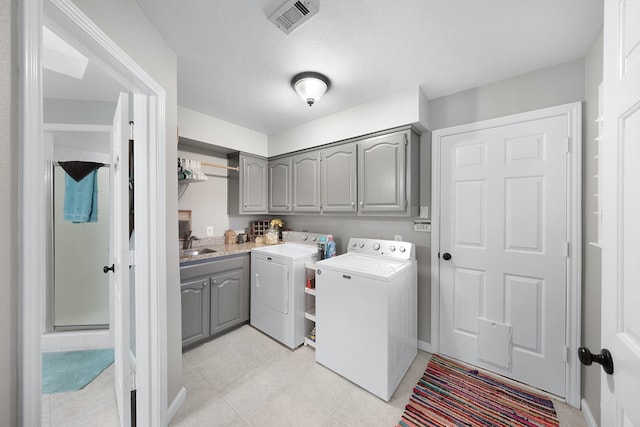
x: 188, y: 240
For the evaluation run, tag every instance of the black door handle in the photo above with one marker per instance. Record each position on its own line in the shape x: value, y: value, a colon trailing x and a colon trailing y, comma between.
x: 604, y: 358
x: 446, y: 256
x: 106, y: 269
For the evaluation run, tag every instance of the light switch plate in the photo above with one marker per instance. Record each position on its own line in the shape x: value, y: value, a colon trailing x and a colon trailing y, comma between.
x: 209, y: 230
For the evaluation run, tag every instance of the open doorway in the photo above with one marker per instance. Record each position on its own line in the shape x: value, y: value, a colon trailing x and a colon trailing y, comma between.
x: 80, y: 100
x: 148, y: 102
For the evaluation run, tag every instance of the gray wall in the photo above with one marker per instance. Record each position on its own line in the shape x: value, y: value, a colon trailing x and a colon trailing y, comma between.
x: 8, y: 213
x: 78, y: 112
x: 546, y: 87
x: 125, y: 23
x: 591, y: 256
x: 343, y: 228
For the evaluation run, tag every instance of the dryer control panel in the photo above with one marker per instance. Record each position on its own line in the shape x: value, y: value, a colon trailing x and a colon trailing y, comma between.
x: 391, y: 249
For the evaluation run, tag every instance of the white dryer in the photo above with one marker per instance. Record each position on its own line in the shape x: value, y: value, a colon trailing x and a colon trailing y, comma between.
x: 277, y: 286
x: 367, y: 313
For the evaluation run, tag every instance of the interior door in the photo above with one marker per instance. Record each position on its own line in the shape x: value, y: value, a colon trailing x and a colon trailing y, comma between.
x: 621, y: 207
x: 503, y: 242
x: 119, y: 248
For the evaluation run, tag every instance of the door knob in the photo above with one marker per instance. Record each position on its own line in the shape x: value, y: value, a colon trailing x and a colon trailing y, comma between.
x: 106, y: 269
x: 446, y: 256
x: 604, y: 358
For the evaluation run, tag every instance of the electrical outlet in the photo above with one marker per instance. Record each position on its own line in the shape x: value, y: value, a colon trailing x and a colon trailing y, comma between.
x: 209, y: 230
x: 397, y: 237
x: 422, y: 226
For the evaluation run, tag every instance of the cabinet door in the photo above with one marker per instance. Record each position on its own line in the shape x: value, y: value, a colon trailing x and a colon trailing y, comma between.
x: 226, y: 300
x: 381, y: 174
x: 253, y: 182
x: 280, y: 185
x: 306, y: 182
x: 195, y: 310
x: 338, y: 179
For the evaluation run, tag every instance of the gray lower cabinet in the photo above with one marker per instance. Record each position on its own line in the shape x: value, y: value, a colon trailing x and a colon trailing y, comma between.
x: 226, y: 300
x: 338, y: 183
x: 215, y: 297
x: 280, y: 185
x: 195, y: 310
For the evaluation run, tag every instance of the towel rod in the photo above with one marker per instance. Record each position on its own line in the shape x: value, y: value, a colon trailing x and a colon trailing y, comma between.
x: 214, y: 165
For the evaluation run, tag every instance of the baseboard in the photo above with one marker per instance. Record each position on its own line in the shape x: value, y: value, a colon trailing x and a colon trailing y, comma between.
x: 176, y: 405
x: 76, y: 340
x: 424, y: 346
x: 588, y: 415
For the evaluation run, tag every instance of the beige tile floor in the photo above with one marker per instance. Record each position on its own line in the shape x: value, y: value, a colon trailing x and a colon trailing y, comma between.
x: 245, y: 378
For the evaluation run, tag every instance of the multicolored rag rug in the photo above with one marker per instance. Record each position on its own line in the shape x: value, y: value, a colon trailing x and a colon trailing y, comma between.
x: 452, y: 394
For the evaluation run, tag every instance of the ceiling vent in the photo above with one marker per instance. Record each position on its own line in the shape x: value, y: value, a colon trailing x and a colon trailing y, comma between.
x: 292, y: 14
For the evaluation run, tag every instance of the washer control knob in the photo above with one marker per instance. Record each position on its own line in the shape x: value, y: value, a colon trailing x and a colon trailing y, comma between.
x: 304, y: 237
x: 376, y: 246
x: 402, y: 249
x: 362, y: 245
x: 354, y: 244
x: 392, y: 248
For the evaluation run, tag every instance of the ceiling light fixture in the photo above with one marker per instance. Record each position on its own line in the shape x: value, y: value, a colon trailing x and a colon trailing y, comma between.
x: 310, y: 86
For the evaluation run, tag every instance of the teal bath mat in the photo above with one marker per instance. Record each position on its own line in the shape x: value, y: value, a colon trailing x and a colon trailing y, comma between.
x: 72, y: 370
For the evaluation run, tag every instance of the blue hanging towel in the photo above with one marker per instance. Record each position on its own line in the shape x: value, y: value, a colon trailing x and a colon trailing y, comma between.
x: 81, y: 198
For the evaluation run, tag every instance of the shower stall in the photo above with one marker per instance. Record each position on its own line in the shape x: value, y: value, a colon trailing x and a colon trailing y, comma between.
x: 78, y: 295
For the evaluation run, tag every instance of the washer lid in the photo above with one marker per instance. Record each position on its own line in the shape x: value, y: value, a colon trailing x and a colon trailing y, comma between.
x: 370, y: 266
x: 288, y: 250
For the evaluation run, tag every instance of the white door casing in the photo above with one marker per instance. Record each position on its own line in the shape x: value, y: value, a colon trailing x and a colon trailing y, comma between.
x: 505, y: 210
x: 621, y: 211
x: 151, y: 230
x: 119, y: 256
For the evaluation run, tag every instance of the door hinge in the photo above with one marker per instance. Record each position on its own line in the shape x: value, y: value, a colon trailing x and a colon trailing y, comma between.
x: 565, y: 354
x: 567, y: 246
x: 406, y: 139
x: 132, y: 258
x: 567, y: 143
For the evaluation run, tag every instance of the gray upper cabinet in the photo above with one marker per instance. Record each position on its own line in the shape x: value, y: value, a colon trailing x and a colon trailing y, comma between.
x: 306, y: 182
x: 375, y: 176
x: 388, y: 180
x: 338, y: 179
x: 247, y: 189
x: 280, y: 185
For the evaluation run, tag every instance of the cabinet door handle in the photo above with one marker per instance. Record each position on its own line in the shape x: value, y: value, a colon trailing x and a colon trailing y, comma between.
x: 361, y: 203
x: 353, y: 204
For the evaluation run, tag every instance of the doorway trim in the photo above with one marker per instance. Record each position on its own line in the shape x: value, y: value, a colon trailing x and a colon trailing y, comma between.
x: 573, y: 112
x: 151, y: 316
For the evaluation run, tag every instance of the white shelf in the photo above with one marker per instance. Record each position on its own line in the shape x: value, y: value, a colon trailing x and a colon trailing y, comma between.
x: 310, y: 314
x: 310, y: 311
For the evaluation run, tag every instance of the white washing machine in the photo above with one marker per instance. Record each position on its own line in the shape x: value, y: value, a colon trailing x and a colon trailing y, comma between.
x: 367, y: 313
x: 277, y: 286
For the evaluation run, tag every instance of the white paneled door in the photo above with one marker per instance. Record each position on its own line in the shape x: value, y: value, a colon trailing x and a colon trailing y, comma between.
x: 119, y: 250
x: 621, y: 213
x: 503, y: 250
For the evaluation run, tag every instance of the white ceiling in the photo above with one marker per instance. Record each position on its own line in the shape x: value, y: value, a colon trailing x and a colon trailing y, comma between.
x: 234, y: 64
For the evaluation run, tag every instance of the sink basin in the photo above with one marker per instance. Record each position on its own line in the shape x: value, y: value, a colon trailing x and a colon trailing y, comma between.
x: 196, y: 252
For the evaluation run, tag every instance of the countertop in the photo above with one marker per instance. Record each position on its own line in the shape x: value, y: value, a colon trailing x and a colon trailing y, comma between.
x: 221, y: 250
